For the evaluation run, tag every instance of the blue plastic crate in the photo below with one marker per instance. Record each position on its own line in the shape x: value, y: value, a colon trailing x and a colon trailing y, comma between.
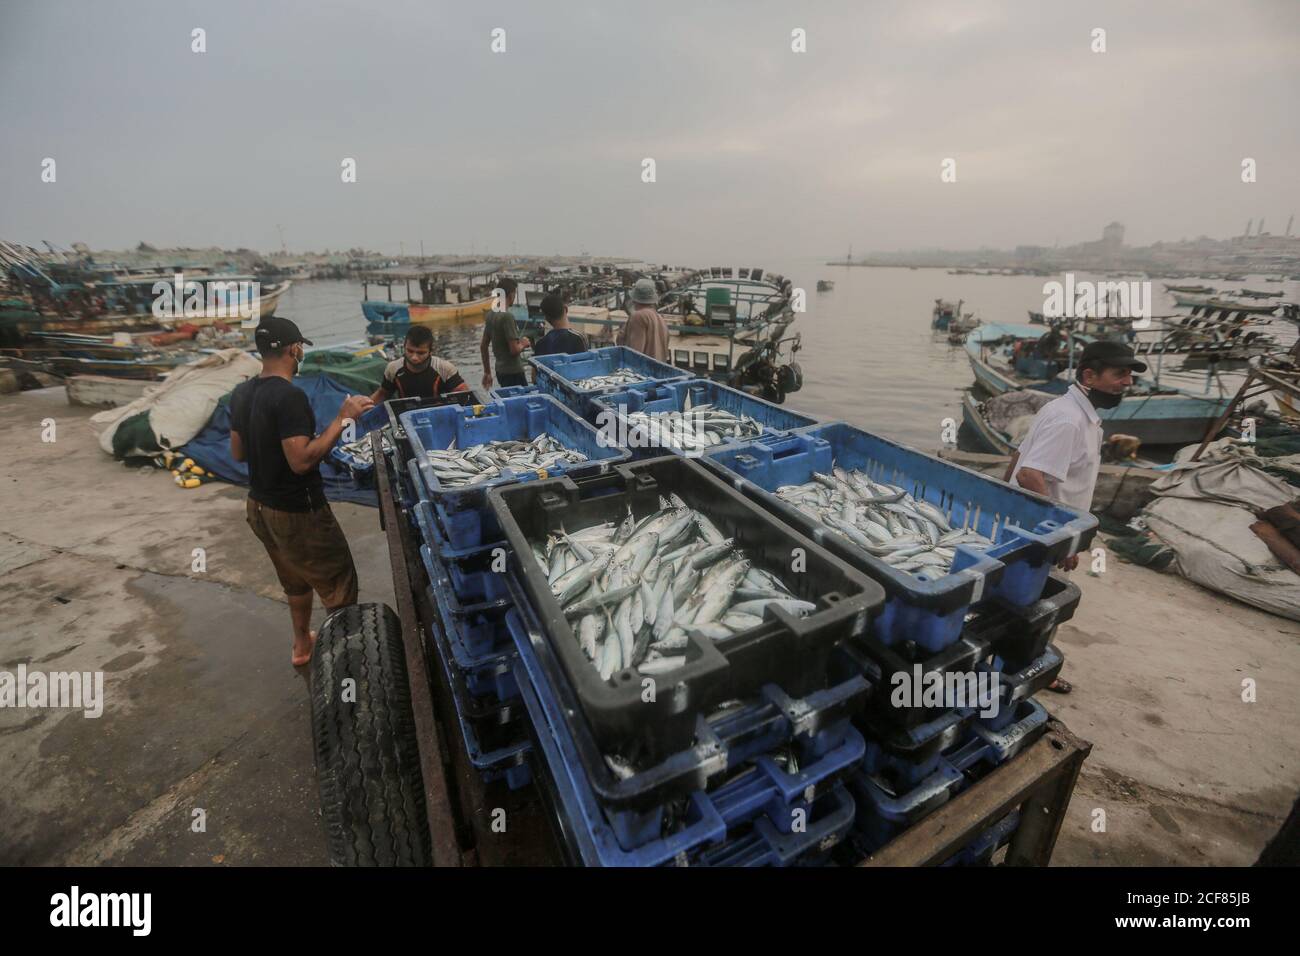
x: 557, y: 373
x: 603, y: 837
x: 610, y: 408
x: 830, y: 818
x: 508, y: 762
x: 362, y: 471
x: 1032, y: 534
x: 463, y: 513
x: 479, y: 627
x: 432, y: 533
x: 488, y: 674
x: 514, y: 391
x: 893, y: 793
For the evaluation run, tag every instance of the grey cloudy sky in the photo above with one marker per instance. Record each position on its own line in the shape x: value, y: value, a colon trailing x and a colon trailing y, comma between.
x: 760, y: 151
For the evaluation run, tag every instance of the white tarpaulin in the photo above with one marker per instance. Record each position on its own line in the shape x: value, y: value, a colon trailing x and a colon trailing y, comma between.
x: 1203, y: 511
x: 182, y: 404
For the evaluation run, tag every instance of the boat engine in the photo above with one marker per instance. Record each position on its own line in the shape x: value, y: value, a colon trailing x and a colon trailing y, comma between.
x: 759, y: 373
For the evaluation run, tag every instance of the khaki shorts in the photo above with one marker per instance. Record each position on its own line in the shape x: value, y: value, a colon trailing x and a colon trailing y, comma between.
x: 309, y: 552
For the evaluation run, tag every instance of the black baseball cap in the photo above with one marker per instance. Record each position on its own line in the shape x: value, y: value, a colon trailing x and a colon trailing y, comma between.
x: 1113, y: 354
x: 275, y: 332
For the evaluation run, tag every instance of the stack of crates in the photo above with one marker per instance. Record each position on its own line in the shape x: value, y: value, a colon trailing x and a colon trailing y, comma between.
x: 463, y: 557
x: 779, y: 746
x: 559, y: 375
x: 741, y: 756
x: 990, y: 619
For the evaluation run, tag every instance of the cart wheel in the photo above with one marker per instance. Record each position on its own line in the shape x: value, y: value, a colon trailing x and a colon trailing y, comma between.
x: 363, y: 731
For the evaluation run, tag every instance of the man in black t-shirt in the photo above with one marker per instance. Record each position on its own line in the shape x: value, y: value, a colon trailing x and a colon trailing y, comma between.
x: 561, y: 338
x: 272, y: 427
x: 419, y: 373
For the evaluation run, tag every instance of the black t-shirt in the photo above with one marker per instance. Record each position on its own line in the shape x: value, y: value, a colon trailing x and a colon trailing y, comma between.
x: 559, y: 341
x: 438, y: 377
x: 264, y: 411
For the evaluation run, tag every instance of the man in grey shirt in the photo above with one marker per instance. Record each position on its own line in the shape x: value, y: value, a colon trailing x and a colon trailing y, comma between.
x: 500, y: 331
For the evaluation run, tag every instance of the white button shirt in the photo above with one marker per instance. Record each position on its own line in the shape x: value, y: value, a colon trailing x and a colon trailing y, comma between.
x: 1064, y: 443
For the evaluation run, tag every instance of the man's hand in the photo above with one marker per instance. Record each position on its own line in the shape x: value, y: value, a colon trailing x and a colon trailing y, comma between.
x: 1070, y: 563
x: 354, y: 406
x: 487, y: 379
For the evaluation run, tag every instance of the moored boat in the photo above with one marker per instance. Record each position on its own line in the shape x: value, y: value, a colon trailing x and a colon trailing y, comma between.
x: 448, y: 294
x: 944, y: 313
x: 1153, y: 413
x: 726, y: 328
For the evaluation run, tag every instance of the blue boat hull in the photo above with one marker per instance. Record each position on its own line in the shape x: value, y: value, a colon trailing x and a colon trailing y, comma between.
x: 381, y: 316
x: 1170, y: 419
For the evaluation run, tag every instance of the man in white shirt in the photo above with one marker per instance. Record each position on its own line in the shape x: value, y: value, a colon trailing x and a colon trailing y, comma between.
x: 1061, y: 454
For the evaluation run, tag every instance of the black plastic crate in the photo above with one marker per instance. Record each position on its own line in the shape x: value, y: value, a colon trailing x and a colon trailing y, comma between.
x: 1016, y: 637
x: 922, y: 740
x: 396, y: 406
x: 793, y: 653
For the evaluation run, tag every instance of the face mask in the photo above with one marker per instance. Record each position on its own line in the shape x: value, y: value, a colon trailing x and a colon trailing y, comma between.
x: 1102, y: 399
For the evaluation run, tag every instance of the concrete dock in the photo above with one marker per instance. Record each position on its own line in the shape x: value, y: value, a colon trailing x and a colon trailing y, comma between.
x: 204, y: 712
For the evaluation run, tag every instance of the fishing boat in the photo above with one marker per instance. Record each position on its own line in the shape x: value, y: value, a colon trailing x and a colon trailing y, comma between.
x: 944, y: 313
x: 1009, y: 358
x: 825, y: 285
x: 960, y: 326
x: 1252, y: 294
x: 1190, y: 289
x: 134, y: 304
x: 724, y: 327
x: 448, y: 294
x: 1226, y: 304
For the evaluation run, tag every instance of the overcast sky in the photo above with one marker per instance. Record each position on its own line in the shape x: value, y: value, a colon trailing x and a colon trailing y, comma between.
x: 759, y: 151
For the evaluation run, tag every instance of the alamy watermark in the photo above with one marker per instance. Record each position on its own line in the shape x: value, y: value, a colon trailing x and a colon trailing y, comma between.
x: 213, y: 298
x: 953, y: 689
x: 1087, y: 299
x: 682, y: 432
x: 66, y: 690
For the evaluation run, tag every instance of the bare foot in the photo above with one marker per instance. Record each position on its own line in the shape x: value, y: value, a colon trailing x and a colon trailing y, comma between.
x: 301, y: 655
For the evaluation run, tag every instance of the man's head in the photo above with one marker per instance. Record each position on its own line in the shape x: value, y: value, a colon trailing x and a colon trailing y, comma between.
x: 280, y: 343
x: 1108, y: 367
x: 508, y: 286
x: 644, y: 293
x: 418, y: 347
x: 554, y: 309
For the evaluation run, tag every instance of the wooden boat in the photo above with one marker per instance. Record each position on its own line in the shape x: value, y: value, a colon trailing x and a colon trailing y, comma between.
x: 944, y: 313
x: 735, y: 331
x: 1230, y: 305
x: 456, y: 312
x: 448, y: 294
x: 1190, y: 289
x: 217, y: 307
x: 1155, y: 414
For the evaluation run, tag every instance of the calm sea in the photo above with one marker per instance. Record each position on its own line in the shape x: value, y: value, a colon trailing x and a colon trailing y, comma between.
x: 869, y: 356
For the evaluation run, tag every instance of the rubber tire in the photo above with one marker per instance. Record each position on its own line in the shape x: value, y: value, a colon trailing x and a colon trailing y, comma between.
x: 367, y: 759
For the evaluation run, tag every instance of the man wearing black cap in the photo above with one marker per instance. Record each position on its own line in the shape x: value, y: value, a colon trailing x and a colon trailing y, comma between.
x: 1061, y: 454
x: 272, y: 427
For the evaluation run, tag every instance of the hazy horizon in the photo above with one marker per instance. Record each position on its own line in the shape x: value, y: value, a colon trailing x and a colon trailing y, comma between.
x: 760, y: 151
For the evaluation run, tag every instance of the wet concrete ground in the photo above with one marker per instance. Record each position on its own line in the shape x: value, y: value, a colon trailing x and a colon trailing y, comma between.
x: 205, y: 713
